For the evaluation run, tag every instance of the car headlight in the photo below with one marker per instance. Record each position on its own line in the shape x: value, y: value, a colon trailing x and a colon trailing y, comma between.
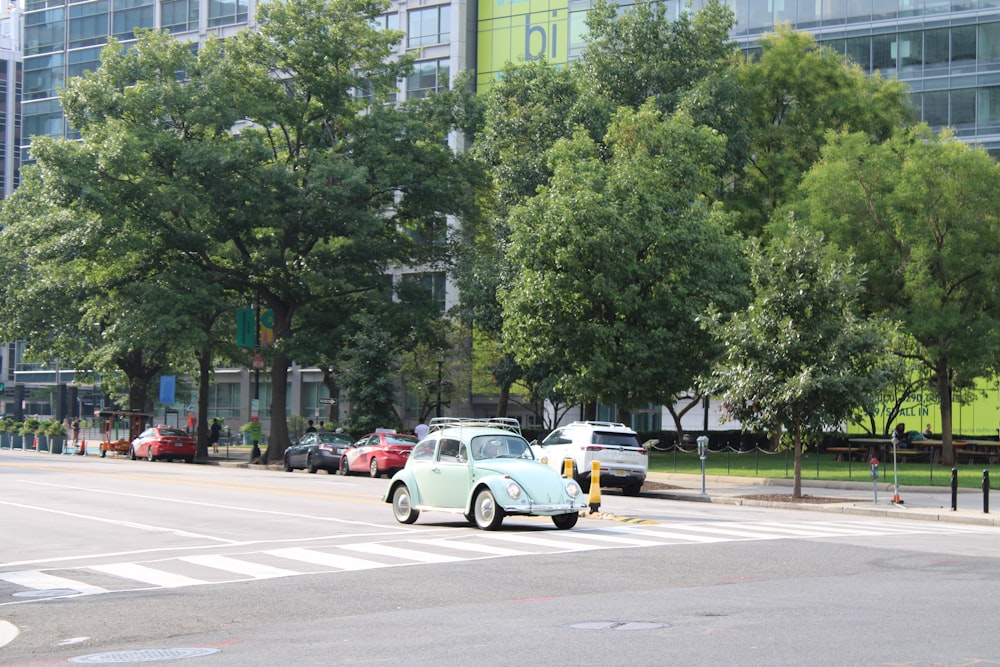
x: 572, y: 489
x: 513, y: 490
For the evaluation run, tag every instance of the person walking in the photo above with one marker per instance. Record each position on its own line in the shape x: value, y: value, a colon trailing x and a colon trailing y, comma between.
x: 421, y: 431
x: 213, y: 435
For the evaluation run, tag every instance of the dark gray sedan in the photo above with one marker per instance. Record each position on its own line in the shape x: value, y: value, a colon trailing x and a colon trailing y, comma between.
x: 317, y: 451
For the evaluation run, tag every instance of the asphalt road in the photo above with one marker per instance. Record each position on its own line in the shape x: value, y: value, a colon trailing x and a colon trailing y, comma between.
x: 109, y: 561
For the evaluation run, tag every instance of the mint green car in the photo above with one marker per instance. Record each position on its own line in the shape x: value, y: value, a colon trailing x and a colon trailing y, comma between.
x: 484, y: 470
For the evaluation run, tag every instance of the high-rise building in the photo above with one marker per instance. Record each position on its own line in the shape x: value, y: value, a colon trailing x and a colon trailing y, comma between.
x: 10, y: 98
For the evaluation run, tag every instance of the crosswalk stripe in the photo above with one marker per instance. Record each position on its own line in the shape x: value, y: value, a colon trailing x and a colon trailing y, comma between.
x: 469, y: 546
x: 669, y: 534
x: 337, y: 561
x: 147, y: 575
x: 538, y: 541
x: 618, y: 540
x: 230, y: 564
x: 42, y: 581
x: 379, y: 549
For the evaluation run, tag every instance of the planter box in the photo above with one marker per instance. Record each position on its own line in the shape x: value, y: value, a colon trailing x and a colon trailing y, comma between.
x: 56, y: 444
x: 41, y: 442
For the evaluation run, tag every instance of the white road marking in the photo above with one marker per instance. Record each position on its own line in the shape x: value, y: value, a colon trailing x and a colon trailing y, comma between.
x: 229, y: 564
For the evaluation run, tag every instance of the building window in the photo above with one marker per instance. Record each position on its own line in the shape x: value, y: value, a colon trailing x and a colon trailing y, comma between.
x: 179, y: 15
x: 429, y: 26
x: 227, y: 12
x: 433, y: 283
x: 88, y: 24
x: 386, y: 22
x: 224, y: 399
x: 44, y: 32
x: 128, y: 15
x: 43, y: 77
x: 427, y: 77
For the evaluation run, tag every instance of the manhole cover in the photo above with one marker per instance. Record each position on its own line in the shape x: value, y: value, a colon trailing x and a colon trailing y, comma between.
x: 50, y: 593
x: 142, y: 655
x: 616, y: 625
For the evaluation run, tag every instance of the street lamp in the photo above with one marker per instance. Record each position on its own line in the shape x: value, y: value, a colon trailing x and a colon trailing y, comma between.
x: 440, y: 363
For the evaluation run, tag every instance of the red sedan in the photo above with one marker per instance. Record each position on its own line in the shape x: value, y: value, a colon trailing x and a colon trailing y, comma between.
x: 163, y: 442
x: 377, y: 454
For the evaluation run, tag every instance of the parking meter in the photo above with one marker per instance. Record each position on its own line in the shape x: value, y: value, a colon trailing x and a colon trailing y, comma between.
x: 874, y: 465
x: 702, y: 453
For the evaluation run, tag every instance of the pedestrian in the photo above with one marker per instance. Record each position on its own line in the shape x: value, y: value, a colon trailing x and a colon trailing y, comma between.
x: 310, y: 428
x: 321, y: 428
x: 928, y: 433
x: 900, y: 437
x: 214, y: 433
x: 192, y: 422
x: 421, y: 431
x: 76, y: 429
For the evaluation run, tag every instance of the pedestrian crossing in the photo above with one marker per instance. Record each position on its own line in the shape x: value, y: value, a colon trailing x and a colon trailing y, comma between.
x: 426, y: 546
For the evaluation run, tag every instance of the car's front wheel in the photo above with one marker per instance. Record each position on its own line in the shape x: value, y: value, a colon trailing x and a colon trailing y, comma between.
x: 488, y: 516
x: 373, y: 468
x: 565, y: 521
x: 288, y: 464
x: 402, y: 505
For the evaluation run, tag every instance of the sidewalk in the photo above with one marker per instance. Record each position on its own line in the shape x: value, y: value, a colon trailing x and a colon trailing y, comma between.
x: 923, y: 503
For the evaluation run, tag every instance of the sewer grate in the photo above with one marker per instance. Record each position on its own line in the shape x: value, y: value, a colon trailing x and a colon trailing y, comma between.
x: 142, y: 655
x: 616, y: 625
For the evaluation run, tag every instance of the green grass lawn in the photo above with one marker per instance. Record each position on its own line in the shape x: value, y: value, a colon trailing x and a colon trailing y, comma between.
x: 818, y: 467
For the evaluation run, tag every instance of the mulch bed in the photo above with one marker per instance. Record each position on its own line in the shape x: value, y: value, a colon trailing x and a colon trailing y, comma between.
x: 787, y: 498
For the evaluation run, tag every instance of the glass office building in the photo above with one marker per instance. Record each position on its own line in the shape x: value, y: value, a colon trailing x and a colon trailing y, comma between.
x: 947, y: 51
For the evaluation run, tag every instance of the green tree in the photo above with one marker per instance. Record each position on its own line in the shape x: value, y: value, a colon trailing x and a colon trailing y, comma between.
x: 921, y: 212
x: 258, y: 168
x: 801, y: 356
x: 797, y: 91
x: 619, y: 258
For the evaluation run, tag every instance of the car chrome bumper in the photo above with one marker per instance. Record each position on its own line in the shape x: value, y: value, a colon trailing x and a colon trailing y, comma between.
x: 543, y: 510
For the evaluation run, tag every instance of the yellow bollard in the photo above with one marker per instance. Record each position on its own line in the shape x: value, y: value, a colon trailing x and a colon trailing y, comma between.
x: 595, y: 486
x: 568, y: 468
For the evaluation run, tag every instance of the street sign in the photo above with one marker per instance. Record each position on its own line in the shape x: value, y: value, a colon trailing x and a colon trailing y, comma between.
x: 246, y: 327
x: 258, y: 362
x: 327, y: 401
x: 2, y: 386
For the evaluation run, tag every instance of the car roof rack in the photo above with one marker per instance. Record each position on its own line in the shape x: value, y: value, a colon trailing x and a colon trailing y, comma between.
x: 598, y: 423
x: 505, y: 423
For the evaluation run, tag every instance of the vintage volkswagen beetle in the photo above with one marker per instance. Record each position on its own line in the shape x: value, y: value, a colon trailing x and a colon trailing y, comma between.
x: 485, y: 470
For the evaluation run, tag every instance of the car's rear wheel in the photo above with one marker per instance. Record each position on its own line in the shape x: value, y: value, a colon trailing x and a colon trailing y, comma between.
x: 488, y: 515
x: 311, y: 465
x: 402, y: 505
x: 131, y: 453
x: 565, y: 521
x: 149, y: 454
x: 632, y: 489
x: 345, y: 469
x: 373, y: 468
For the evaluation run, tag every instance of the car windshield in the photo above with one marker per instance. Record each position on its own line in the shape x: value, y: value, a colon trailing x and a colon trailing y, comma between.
x: 398, y: 439
x: 175, y: 432
x: 500, y: 446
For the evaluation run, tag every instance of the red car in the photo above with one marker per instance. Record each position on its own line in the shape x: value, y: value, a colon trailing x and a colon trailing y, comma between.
x: 163, y: 442
x: 377, y: 454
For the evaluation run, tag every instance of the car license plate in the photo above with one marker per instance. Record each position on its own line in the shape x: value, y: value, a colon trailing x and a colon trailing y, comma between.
x: 620, y: 473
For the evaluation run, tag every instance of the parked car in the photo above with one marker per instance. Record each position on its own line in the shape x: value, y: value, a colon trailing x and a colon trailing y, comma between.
x: 377, y: 454
x: 163, y: 442
x: 484, y: 470
x: 623, y: 461
x: 317, y: 451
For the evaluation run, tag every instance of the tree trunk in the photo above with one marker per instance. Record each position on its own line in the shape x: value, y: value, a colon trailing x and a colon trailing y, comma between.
x: 278, y: 441
x: 204, y: 379
x: 797, y: 475
x: 944, y: 394
x: 503, y: 401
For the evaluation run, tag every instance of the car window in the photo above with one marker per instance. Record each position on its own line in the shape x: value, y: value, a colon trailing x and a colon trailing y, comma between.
x: 331, y: 438
x: 556, y: 438
x: 425, y: 450
x: 400, y: 440
x: 449, y: 450
x: 500, y: 446
x: 605, y: 438
x: 175, y: 432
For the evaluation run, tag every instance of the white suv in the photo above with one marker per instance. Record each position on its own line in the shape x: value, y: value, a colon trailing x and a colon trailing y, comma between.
x: 623, y: 460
